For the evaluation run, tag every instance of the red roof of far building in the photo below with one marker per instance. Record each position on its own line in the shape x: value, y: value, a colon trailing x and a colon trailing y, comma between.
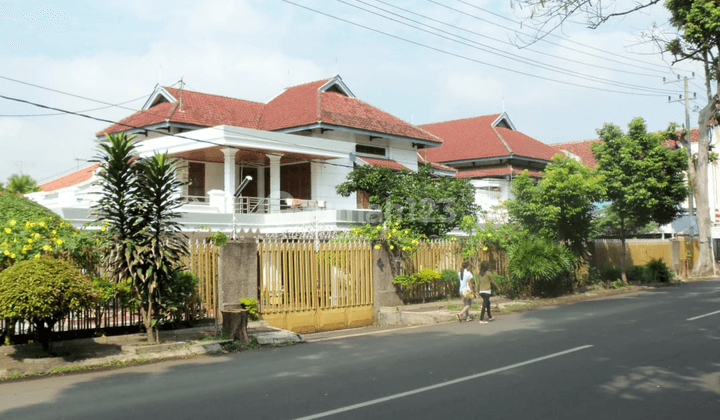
x: 578, y: 150
x: 581, y: 149
x: 479, y: 138
x: 298, y: 106
x: 71, y: 179
x: 499, y: 171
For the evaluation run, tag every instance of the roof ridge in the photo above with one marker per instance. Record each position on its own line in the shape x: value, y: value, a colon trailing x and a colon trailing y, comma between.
x: 507, y: 146
x: 461, y: 119
x: 214, y: 94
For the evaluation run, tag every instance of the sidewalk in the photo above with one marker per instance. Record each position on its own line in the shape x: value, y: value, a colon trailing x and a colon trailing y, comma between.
x: 436, y: 312
x: 110, y: 351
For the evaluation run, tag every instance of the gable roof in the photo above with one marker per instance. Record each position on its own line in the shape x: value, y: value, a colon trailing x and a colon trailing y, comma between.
x: 325, y: 103
x: 69, y: 180
x: 192, y: 108
x: 483, y: 137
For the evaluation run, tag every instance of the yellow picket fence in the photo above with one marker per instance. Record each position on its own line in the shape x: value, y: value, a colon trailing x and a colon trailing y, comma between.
x: 678, y: 254
x: 202, y: 260
x: 442, y: 255
x: 310, y: 286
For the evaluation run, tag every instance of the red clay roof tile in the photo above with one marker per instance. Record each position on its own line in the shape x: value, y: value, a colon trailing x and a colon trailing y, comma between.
x: 476, y: 138
x: 71, y: 179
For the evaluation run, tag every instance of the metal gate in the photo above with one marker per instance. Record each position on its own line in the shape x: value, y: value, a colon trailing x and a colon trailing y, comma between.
x: 308, y: 286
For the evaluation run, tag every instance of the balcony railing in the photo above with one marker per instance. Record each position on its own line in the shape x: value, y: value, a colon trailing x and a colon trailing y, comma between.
x: 264, y: 205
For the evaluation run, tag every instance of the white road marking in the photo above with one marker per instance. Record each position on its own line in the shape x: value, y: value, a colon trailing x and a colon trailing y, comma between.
x: 436, y: 386
x: 703, y: 316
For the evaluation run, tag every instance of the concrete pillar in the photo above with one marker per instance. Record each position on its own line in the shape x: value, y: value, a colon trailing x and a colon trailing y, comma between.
x: 261, y: 183
x: 384, y: 271
x: 237, y: 273
x: 274, y: 182
x: 229, y: 178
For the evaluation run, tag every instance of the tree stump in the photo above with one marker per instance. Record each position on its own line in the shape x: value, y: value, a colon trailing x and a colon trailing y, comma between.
x: 235, y: 322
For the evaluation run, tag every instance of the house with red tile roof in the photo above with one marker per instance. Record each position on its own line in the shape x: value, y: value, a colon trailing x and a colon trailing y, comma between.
x: 488, y: 150
x: 292, y: 150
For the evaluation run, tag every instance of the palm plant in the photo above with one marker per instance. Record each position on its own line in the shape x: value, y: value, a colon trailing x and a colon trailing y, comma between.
x: 163, y: 241
x: 22, y: 184
x: 139, y: 205
x: 538, y: 264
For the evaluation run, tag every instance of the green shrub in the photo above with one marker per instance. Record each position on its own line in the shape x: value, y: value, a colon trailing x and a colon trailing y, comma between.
x: 658, y: 271
x: 252, y: 307
x: 540, y: 266
x: 177, y: 295
x: 449, y: 276
x: 43, y: 291
x: 506, y: 286
x: 424, y: 276
x: 638, y: 273
x: 609, y: 274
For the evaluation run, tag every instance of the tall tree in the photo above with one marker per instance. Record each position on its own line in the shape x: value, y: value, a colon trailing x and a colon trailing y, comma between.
x: 698, y: 39
x: 416, y: 200
x: 22, y: 184
x: 644, y: 181
x: 138, y: 204
x: 559, y: 207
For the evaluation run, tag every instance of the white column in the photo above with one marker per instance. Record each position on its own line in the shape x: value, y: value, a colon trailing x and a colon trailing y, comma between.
x: 274, y: 183
x: 261, y: 181
x: 229, y: 179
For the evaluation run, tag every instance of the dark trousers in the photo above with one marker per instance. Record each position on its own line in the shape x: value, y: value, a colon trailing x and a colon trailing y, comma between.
x: 485, y: 306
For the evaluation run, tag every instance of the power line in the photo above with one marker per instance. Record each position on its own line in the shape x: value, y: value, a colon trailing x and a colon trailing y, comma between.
x: 499, y: 40
x: 509, y: 56
x: 62, y: 113
x: 163, y: 133
x: 467, y: 58
x: 178, y: 135
x: 77, y: 96
x: 547, y: 33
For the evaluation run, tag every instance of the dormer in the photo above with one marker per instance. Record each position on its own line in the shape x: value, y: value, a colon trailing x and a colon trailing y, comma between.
x: 158, y: 95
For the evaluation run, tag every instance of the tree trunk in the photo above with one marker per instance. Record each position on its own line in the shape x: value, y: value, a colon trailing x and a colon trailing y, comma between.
x: 235, y: 322
x: 704, y: 264
x: 623, y: 274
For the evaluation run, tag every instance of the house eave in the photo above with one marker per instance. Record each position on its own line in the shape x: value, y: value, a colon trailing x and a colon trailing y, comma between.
x: 360, y: 131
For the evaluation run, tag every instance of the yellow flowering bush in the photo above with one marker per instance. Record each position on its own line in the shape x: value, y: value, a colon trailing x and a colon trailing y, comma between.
x: 390, y: 235
x: 29, y: 230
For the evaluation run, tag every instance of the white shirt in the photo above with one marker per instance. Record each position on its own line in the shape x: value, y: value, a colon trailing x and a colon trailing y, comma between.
x: 464, y: 280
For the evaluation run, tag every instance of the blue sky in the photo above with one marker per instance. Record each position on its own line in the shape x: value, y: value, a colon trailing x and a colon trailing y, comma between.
x: 115, y: 52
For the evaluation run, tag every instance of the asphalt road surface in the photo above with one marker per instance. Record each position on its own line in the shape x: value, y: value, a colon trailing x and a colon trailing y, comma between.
x: 651, y: 355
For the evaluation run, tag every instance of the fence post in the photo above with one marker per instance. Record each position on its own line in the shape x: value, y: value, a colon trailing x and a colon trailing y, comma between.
x: 383, y: 274
x: 237, y: 273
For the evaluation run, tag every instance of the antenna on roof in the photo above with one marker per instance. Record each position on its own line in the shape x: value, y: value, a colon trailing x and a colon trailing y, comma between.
x: 182, y: 85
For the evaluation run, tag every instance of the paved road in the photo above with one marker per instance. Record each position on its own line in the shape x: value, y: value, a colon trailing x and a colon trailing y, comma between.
x: 647, y: 355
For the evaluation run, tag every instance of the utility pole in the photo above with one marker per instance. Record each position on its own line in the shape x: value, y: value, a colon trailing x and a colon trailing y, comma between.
x: 686, y: 141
